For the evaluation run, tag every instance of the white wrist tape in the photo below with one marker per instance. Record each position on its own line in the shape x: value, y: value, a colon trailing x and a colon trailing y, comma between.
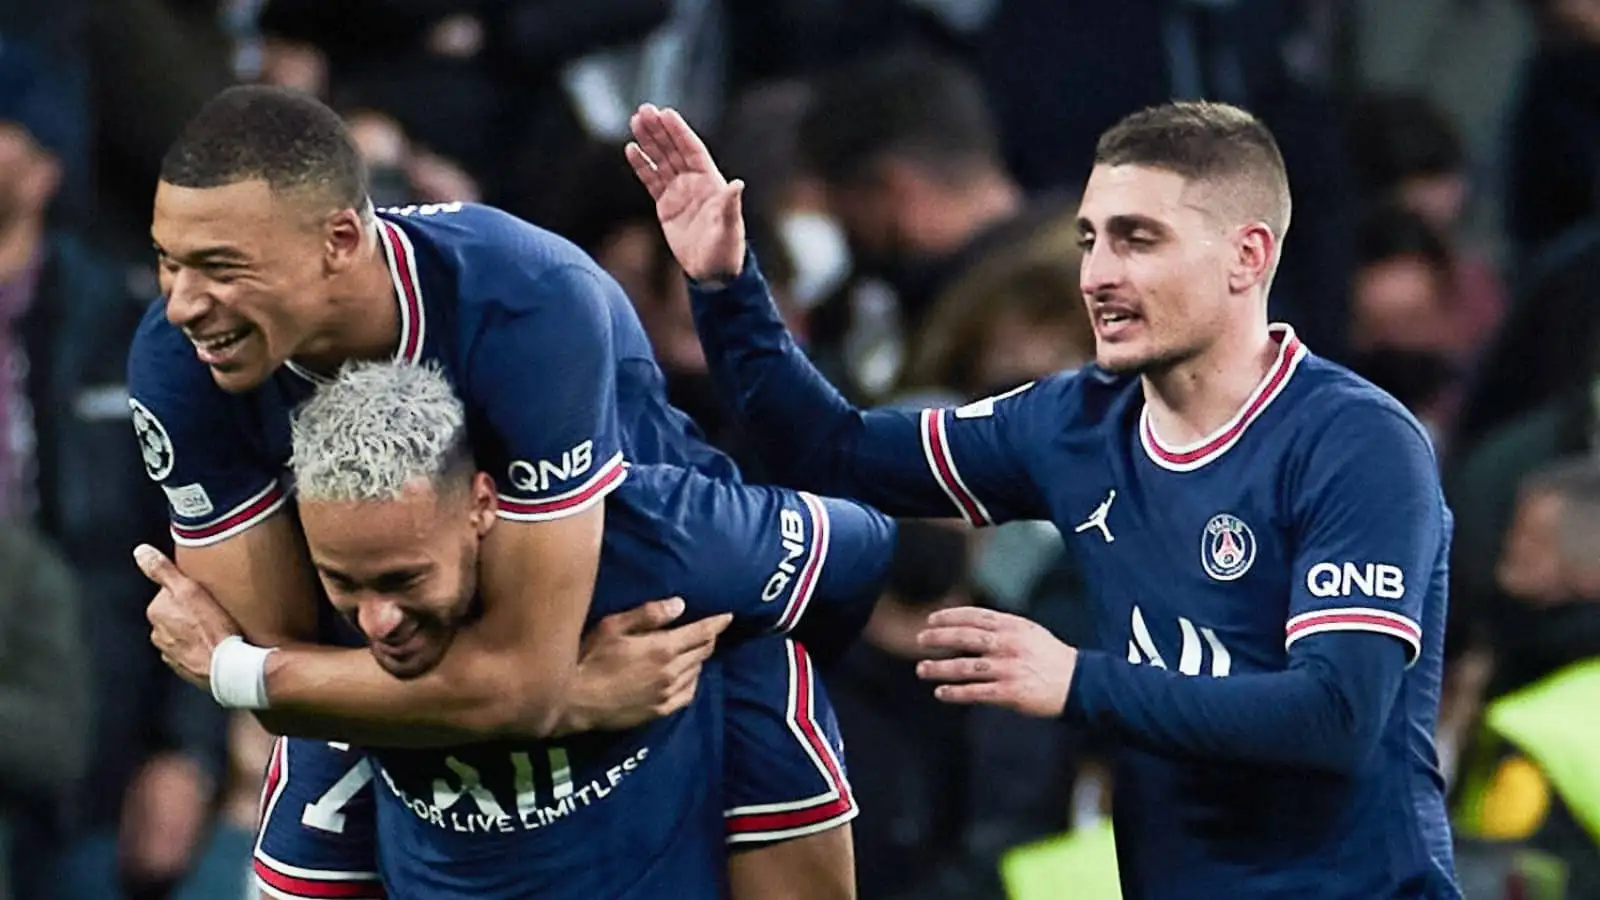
x: 239, y: 674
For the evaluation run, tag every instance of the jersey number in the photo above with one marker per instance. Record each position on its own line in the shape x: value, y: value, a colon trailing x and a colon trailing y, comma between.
x: 1191, y: 655
x: 328, y: 812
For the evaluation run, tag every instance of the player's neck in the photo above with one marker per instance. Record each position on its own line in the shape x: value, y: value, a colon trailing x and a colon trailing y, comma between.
x: 1195, y: 398
x: 366, y: 320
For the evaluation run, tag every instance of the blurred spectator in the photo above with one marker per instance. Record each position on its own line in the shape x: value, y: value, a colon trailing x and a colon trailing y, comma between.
x: 601, y: 208
x: 1553, y: 159
x: 44, y: 74
x: 1410, y: 155
x: 1517, y: 792
x: 1406, y: 330
x: 759, y: 143
x: 480, y: 83
x: 909, y: 754
x: 155, y: 62
x: 910, y: 162
x: 1462, y: 55
x: 1009, y: 321
x: 65, y: 324
x: 1549, y: 574
x: 400, y: 173
x: 44, y: 698
x: 1549, y: 345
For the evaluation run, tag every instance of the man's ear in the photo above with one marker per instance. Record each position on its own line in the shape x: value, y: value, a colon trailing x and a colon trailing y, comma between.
x: 1255, y: 251
x: 485, y: 503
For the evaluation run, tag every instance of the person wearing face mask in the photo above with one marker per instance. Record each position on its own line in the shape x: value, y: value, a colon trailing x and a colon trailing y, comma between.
x: 909, y: 160
x: 602, y: 210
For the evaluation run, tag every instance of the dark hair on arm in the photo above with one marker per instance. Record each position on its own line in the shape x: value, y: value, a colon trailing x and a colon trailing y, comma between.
x: 1204, y: 142
x: 286, y: 138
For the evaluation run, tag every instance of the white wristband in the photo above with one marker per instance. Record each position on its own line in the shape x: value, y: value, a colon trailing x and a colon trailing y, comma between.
x: 239, y: 674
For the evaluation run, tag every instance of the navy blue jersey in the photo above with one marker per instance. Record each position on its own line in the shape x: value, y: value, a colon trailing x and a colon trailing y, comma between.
x: 1269, y: 602
x: 561, y: 392
x: 642, y: 813
x: 543, y: 347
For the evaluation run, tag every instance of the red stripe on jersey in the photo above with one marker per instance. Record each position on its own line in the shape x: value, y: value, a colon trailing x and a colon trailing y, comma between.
x: 1308, y: 621
x: 1380, y: 621
x: 241, y: 516
x: 270, y: 784
x: 598, y: 485
x: 318, y: 888
x: 942, y: 463
x: 806, y: 586
x: 838, y: 802
x: 411, y: 311
x: 1288, y: 356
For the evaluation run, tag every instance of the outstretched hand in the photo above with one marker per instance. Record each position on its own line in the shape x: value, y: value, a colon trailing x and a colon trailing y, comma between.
x: 999, y: 660
x: 699, y: 210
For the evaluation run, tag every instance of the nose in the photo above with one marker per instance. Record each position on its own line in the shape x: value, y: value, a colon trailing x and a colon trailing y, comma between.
x: 379, y: 618
x: 1100, y: 269
x: 187, y: 300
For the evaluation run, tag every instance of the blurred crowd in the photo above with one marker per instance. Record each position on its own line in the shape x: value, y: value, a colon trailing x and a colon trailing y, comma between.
x: 911, y: 168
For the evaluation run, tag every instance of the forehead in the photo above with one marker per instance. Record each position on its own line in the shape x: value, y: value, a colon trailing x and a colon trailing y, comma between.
x: 371, y: 535
x: 189, y: 218
x: 1130, y: 190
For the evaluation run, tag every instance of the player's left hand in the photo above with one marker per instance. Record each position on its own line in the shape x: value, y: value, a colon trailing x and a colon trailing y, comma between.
x: 1000, y: 660
x: 186, y: 622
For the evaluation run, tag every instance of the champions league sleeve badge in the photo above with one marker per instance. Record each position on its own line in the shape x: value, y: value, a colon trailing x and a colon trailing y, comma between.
x: 155, y: 447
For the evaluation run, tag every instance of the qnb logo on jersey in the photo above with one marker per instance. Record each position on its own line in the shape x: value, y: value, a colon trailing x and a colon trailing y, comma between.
x: 1381, y: 580
x: 1195, y: 644
x: 538, y: 477
x: 792, y: 533
x: 1227, y: 547
x: 460, y: 801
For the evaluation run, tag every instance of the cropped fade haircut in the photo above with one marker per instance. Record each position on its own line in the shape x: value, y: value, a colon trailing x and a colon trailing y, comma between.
x: 376, y: 428
x: 288, y: 139
x: 1215, y: 144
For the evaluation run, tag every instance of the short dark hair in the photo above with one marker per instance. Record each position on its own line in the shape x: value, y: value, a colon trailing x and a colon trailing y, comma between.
x: 908, y: 104
x: 1390, y: 230
x: 1205, y: 142
x: 598, y: 195
x: 284, y: 137
x: 1395, y: 136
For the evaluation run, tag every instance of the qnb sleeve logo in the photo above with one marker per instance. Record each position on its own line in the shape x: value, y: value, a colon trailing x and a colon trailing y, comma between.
x: 1380, y: 580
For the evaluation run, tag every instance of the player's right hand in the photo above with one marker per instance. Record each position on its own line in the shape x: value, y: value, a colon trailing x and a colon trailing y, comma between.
x: 700, y: 211
x: 635, y: 668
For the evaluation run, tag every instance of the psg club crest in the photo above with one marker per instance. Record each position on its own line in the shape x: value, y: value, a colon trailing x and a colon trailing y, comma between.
x: 1227, y: 547
x: 154, y: 445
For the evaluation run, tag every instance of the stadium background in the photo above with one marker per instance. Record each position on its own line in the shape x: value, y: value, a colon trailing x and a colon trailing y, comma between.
x: 1445, y: 158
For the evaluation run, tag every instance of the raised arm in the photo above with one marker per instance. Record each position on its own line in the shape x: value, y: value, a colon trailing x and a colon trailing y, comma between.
x: 928, y: 463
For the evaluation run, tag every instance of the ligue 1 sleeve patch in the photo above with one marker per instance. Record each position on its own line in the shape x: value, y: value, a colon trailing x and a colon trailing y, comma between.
x: 190, y: 500
x: 154, y: 445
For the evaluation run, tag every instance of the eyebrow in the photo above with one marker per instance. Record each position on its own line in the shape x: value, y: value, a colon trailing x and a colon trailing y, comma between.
x: 1126, y: 224
x: 204, y: 255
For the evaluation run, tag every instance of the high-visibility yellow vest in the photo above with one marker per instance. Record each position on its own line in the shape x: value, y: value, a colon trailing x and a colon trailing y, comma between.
x: 1078, y: 865
x: 1555, y: 724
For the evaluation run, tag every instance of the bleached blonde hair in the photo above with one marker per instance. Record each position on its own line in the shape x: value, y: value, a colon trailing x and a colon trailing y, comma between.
x: 376, y: 428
